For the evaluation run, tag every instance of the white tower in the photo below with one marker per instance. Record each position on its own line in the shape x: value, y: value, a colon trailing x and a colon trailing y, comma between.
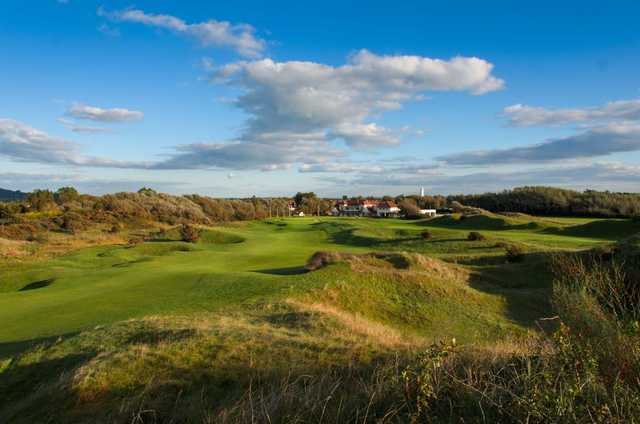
x: 421, y: 191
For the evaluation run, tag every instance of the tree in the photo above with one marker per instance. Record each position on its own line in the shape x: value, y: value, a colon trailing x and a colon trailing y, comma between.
x: 300, y: 197
x: 409, y: 208
x: 555, y: 201
x: 148, y: 191
x: 66, y: 195
x: 309, y: 205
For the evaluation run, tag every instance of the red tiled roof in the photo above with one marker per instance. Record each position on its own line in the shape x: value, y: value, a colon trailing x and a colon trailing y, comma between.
x: 387, y: 204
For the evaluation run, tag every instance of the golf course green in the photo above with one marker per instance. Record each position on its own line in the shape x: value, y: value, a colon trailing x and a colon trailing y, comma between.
x: 250, y: 262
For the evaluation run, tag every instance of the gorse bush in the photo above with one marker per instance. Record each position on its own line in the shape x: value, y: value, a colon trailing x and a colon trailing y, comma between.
x: 189, y: 233
x: 514, y: 253
x: 73, y: 222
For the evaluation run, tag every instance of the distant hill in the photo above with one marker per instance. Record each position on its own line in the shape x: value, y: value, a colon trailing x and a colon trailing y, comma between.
x: 8, y: 195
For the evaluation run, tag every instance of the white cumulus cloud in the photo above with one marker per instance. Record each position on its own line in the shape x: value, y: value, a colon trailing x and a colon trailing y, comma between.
x: 310, y: 97
x: 297, y: 109
x: 240, y: 37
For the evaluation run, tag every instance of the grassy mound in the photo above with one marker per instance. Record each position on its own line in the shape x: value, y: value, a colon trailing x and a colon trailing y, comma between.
x: 220, y: 237
x: 416, y: 295
x: 212, y: 368
x: 607, y: 229
x: 488, y: 221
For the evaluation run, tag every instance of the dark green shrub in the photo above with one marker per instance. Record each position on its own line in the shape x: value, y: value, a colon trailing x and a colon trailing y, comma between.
x: 426, y: 234
x: 475, y: 236
x: 66, y: 195
x: 6, y: 214
x: 40, y: 200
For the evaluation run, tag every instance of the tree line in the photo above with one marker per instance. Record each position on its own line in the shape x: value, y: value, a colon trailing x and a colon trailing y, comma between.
x: 555, y: 201
x: 67, y: 209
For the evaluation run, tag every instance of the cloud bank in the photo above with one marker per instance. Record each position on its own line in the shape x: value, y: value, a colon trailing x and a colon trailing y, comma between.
x: 23, y: 143
x: 578, y: 176
x: 73, y: 126
x: 598, y: 141
x: 524, y: 116
x: 611, y: 128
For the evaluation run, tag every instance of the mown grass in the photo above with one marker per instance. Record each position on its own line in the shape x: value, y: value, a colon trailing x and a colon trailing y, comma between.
x: 230, y: 266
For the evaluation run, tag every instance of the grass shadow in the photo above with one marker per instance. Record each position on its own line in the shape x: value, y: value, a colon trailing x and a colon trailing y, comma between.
x: 292, y: 270
x: 8, y: 349
x: 526, y: 286
x: 38, y: 284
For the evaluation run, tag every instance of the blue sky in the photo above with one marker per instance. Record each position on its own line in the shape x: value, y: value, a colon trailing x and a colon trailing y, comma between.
x: 269, y: 98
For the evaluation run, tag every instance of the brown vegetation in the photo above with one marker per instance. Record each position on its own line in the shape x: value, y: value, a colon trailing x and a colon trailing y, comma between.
x: 189, y: 233
x: 514, y: 253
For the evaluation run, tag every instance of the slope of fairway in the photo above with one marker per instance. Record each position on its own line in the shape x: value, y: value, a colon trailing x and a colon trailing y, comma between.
x: 231, y: 266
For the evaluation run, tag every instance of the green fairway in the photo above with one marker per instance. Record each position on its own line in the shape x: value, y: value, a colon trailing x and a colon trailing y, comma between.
x: 259, y: 261
x: 193, y: 330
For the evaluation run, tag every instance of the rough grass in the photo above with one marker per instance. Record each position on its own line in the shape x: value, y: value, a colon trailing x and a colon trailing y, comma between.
x: 198, y: 369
